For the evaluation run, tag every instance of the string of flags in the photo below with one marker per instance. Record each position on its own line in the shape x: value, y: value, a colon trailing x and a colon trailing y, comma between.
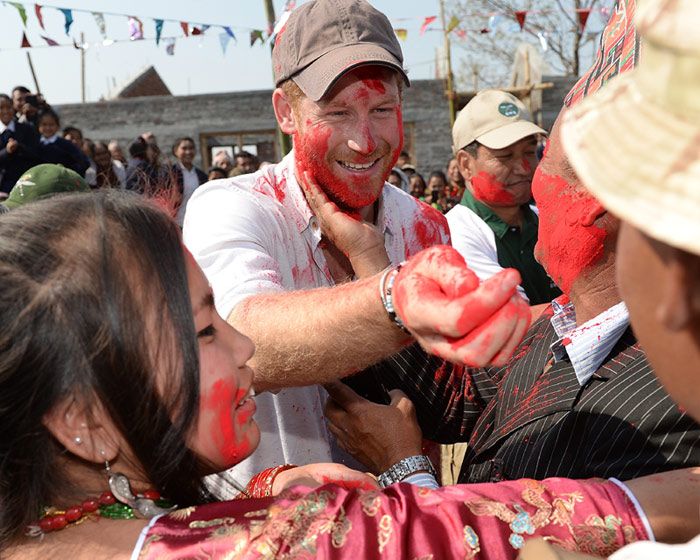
x: 136, y: 32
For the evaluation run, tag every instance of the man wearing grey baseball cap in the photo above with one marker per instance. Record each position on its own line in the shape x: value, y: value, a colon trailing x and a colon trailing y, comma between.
x: 299, y: 253
x: 494, y: 227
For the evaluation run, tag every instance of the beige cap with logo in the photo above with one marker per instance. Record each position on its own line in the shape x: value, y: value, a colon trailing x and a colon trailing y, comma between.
x: 495, y: 119
x: 323, y: 39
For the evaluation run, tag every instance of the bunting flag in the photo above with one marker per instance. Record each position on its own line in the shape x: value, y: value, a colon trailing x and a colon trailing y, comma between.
x: 229, y: 32
x: 100, y: 21
x: 426, y: 23
x: 169, y: 46
x: 22, y: 12
x: 484, y: 30
x: 185, y: 28
x: 159, y: 30
x: 583, y: 14
x: 520, y: 15
x: 454, y: 22
x: 461, y: 33
x: 255, y: 35
x: 135, y: 29
x: 196, y: 31
x: 224, y: 39
x: 401, y: 33
x: 50, y: 41
x: 68, y: 14
x: 25, y: 41
x: 39, y: 16
x: 204, y: 28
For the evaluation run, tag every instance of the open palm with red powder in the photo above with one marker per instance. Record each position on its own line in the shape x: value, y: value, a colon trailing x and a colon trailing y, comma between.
x: 455, y: 316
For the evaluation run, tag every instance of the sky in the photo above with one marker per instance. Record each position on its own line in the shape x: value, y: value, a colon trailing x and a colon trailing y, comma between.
x: 198, y: 65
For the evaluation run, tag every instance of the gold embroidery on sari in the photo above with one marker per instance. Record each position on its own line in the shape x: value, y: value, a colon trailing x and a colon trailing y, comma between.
x: 182, y: 514
x: 370, y: 502
x: 385, y: 529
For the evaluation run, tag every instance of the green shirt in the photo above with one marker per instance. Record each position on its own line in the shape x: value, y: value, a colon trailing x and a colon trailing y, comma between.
x: 515, y: 247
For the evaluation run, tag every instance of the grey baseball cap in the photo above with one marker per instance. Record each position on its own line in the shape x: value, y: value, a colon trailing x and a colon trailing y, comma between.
x: 323, y: 39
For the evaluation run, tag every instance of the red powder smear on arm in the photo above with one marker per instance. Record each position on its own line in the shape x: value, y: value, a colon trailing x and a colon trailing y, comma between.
x: 349, y: 484
x: 489, y: 191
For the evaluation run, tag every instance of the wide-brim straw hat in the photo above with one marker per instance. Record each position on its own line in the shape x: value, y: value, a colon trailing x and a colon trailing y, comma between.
x: 635, y: 144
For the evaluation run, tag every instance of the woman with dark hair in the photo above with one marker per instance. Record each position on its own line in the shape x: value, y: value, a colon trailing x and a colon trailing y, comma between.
x: 120, y: 386
x: 189, y: 176
x: 54, y: 149
x: 108, y: 172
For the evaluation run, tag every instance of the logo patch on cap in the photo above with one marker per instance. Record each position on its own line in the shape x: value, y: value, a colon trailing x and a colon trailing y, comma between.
x: 508, y: 109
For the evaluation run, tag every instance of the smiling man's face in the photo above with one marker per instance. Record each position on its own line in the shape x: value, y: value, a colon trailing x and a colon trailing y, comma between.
x: 350, y: 140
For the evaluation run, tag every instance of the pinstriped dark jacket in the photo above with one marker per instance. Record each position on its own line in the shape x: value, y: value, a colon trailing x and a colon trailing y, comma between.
x: 531, y: 418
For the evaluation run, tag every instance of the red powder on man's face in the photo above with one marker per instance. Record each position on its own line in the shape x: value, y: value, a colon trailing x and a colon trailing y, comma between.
x: 566, y: 246
x: 488, y: 190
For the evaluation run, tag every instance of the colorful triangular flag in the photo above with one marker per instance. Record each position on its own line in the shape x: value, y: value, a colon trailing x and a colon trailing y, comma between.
x: 255, y: 35
x: 49, y: 41
x: 583, y: 14
x: 135, y: 28
x: 426, y: 22
x: 185, y: 28
x: 521, y: 15
x: 39, y: 16
x: 196, y: 31
x: 22, y: 12
x: 230, y: 33
x: 401, y: 33
x: 159, y: 29
x: 25, y: 41
x: 461, y: 33
x: 100, y: 21
x: 224, y: 39
x: 68, y: 15
x: 454, y: 22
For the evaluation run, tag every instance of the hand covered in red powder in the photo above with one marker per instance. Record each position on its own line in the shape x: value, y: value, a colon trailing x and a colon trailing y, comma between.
x: 453, y: 315
x: 318, y: 474
x: 377, y: 435
x: 361, y: 242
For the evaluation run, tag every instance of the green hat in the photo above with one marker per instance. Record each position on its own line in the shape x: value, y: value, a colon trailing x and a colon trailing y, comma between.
x: 44, y: 180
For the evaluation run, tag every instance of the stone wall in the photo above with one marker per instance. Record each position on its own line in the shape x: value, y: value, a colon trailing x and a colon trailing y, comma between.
x: 425, y: 112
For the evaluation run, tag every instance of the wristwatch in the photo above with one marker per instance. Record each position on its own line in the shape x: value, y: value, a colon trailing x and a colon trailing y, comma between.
x: 406, y: 467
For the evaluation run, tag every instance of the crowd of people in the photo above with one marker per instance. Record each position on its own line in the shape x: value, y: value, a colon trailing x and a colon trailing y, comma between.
x: 261, y: 367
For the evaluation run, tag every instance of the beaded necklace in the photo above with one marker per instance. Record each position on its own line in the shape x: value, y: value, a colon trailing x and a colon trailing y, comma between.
x: 55, y: 519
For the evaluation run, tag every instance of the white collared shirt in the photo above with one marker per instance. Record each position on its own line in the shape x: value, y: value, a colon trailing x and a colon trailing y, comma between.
x: 49, y: 140
x: 587, y: 345
x: 9, y: 126
x: 256, y: 234
x: 190, y: 182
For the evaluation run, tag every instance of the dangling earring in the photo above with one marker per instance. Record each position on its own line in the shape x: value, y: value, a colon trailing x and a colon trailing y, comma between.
x: 121, y: 489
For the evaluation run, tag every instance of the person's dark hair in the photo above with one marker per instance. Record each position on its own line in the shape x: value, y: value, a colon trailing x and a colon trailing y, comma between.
x: 89, y: 147
x: 472, y: 148
x: 5, y: 97
x: 96, y: 307
x: 180, y: 141
x: 21, y: 89
x: 417, y: 177
x: 137, y: 149
x: 49, y: 113
x: 438, y: 173
x: 243, y: 154
x: 405, y: 154
x: 72, y: 130
x: 217, y: 170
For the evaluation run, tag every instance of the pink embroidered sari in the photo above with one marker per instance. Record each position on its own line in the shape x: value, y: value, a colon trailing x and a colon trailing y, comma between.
x: 486, y: 521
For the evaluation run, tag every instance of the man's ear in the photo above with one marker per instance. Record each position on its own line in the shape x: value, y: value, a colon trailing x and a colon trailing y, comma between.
x: 594, y: 211
x: 86, y: 431
x: 284, y: 111
x: 679, y: 306
x: 466, y: 163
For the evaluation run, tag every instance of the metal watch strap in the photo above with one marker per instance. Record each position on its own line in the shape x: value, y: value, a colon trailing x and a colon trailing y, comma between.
x: 406, y: 467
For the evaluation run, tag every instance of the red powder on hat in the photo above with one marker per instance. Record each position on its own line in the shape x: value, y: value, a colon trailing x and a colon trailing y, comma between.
x: 568, y: 240
x: 488, y: 190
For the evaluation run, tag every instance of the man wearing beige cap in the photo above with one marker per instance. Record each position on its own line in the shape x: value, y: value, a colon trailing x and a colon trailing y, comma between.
x: 494, y: 227
x: 298, y: 253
